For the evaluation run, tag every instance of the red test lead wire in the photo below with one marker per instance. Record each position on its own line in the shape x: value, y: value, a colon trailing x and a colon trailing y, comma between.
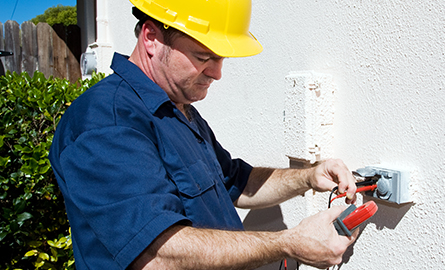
x: 366, y: 188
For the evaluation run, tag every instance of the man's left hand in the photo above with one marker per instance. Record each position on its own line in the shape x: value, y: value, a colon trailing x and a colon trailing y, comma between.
x: 332, y: 173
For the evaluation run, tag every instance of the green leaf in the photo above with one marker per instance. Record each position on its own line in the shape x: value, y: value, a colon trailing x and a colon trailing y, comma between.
x: 24, y: 149
x: 44, y: 256
x: 19, y: 205
x: 62, y: 240
x: 4, y: 161
x: 31, y: 253
x: 51, y: 243
x: 23, y: 216
x: 54, y: 256
x: 39, y: 263
x: 3, y: 235
x: 34, y: 244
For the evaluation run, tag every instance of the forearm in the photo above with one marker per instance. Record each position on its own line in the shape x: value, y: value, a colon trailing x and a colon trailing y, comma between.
x: 183, y: 247
x: 314, y: 241
x: 267, y: 187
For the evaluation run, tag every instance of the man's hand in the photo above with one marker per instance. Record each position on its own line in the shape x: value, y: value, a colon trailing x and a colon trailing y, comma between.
x: 332, y: 173
x: 316, y: 242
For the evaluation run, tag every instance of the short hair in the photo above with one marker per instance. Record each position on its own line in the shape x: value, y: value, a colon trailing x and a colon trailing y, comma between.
x: 169, y: 33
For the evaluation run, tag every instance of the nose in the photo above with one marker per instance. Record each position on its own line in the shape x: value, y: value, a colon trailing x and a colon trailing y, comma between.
x: 214, y: 68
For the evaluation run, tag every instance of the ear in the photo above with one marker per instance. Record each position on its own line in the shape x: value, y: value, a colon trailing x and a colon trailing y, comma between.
x: 149, y: 34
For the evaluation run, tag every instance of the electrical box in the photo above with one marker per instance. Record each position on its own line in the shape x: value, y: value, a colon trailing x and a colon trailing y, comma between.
x: 392, y: 184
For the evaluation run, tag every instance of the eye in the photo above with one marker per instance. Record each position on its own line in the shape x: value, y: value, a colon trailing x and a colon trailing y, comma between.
x: 202, y: 59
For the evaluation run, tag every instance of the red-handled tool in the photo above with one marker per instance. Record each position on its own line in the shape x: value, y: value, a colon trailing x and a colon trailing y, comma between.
x: 352, y: 217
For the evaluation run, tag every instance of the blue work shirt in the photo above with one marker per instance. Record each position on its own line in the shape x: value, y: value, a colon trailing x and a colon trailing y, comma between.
x: 130, y: 165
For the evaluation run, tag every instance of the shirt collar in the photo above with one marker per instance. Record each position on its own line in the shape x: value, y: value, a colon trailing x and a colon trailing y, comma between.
x: 152, y: 95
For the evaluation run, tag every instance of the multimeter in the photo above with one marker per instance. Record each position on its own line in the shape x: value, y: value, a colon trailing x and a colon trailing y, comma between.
x: 352, y: 217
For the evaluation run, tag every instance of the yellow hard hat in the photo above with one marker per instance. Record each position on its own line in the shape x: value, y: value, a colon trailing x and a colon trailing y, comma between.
x: 220, y: 25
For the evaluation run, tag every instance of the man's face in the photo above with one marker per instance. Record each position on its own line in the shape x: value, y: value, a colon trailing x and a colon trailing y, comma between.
x: 186, y: 69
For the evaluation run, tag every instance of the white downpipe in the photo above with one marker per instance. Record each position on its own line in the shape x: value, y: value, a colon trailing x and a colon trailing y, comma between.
x: 102, y: 22
x: 102, y: 49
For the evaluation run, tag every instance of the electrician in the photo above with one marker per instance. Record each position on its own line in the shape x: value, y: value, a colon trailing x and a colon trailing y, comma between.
x: 145, y: 182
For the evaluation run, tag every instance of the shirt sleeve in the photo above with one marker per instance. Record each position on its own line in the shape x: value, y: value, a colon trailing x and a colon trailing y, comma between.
x: 117, y: 181
x: 235, y: 171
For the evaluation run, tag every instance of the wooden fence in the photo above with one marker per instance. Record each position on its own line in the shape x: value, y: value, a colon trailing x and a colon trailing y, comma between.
x: 54, y: 51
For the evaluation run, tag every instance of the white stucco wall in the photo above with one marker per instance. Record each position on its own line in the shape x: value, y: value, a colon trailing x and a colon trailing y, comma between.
x: 387, y: 61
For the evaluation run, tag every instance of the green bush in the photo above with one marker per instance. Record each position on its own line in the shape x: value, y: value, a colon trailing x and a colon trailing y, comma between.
x: 34, y: 230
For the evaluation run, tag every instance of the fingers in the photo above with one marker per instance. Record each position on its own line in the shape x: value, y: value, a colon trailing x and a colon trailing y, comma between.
x: 332, y: 214
x: 354, y: 236
x: 343, y: 241
x: 345, y: 179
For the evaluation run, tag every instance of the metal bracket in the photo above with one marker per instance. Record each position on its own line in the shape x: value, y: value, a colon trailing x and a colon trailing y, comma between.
x: 5, y: 53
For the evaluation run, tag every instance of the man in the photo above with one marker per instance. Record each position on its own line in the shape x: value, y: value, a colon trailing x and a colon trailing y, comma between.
x: 145, y: 182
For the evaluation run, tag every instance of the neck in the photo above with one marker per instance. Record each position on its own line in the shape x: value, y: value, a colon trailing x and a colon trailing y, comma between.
x: 137, y: 57
x: 185, y: 109
x: 140, y: 58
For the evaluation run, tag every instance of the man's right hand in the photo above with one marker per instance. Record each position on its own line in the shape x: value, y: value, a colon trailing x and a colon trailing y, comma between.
x: 316, y: 242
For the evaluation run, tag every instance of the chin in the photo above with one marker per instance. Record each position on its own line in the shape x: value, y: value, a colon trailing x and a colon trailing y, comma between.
x: 201, y: 96
x: 195, y: 99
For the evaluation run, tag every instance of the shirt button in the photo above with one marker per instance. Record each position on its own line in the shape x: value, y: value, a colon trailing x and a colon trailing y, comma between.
x: 199, y: 140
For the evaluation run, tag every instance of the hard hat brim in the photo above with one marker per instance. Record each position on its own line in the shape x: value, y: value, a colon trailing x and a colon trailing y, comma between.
x: 230, y: 46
